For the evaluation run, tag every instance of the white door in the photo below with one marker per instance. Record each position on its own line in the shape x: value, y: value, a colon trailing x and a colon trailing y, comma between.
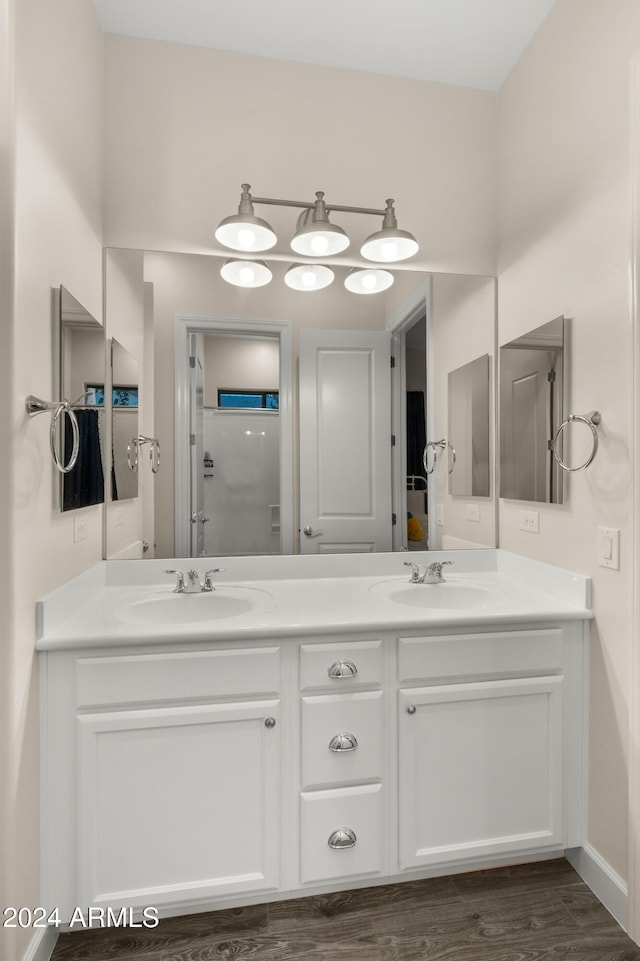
x: 345, y: 441
x: 196, y: 428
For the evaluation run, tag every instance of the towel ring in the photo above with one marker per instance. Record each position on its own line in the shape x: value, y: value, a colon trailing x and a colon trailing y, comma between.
x: 35, y: 406
x: 132, y: 463
x: 154, y: 452
x: 591, y: 419
x: 441, y: 444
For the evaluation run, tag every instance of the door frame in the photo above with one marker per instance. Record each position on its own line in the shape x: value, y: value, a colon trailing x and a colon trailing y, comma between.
x: 192, y: 324
x: 417, y: 305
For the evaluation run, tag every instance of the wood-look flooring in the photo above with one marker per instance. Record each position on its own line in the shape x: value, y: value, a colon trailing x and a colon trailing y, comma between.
x: 535, y: 912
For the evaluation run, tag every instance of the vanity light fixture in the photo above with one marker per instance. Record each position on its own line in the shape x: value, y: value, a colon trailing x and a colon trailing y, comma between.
x: 245, y: 231
x: 308, y: 276
x: 368, y: 280
x: 315, y: 235
x: 246, y: 273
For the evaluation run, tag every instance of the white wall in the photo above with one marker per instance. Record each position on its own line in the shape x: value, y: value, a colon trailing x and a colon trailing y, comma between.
x: 565, y: 231
x: 238, y: 363
x: 185, y: 126
x: 58, y: 240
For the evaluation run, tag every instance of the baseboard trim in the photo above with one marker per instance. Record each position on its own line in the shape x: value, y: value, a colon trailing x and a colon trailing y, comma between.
x: 606, y: 884
x: 41, y: 945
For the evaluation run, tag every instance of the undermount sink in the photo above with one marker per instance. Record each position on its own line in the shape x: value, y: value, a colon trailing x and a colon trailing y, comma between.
x: 173, y: 608
x: 445, y: 596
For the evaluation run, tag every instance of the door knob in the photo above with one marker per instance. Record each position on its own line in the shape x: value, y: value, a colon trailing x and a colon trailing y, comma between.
x: 309, y: 531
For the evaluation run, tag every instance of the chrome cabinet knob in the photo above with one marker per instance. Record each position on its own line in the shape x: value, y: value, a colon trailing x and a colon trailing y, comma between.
x: 342, y: 838
x: 343, y: 669
x: 270, y: 722
x: 411, y: 709
x: 343, y: 742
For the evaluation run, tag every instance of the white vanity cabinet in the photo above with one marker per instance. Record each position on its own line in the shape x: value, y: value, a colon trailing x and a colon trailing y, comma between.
x: 172, y: 770
x: 193, y: 775
x: 490, y: 745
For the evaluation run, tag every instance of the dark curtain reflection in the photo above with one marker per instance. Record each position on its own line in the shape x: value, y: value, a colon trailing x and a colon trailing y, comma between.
x: 416, y: 435
x: 84, y: 484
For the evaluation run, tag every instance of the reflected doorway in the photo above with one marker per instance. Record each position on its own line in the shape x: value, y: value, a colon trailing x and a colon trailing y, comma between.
x: 233, y: 429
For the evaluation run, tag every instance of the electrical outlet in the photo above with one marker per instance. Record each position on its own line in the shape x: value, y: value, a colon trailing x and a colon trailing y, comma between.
x: 609, y: 547
x: 80, y: 529
x: 119, y: 517
x: 530, y: 522
x: 439, y: 515
x: 473, y: 512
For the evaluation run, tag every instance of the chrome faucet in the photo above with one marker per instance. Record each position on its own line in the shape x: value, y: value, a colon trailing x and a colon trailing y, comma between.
x: 192, y: 584
x: 432, y: 574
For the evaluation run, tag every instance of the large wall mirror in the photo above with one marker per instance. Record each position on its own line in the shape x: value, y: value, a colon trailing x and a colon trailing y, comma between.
x: 225, y: 377
x: 532, y: 390
x: 82, y: 376
x: 468, y: 435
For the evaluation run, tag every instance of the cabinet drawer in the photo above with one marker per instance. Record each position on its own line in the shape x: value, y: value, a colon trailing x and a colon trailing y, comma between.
x: 342, y: 666
x: 341, y: 737
x: 436, y: 658
x: 355, y: 811
x: 176, y: 676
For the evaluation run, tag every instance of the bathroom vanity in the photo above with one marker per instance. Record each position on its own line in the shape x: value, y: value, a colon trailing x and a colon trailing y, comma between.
x: 328, y: 726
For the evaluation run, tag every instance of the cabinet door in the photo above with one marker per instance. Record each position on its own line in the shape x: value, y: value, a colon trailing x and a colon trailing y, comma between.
x: 177, y: 804
x: 480, y: 770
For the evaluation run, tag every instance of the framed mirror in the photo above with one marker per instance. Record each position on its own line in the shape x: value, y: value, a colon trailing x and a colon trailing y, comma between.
x: 82, y: 371
x: 468, y: 429
x: 167, y: 298
x: 532, y: 405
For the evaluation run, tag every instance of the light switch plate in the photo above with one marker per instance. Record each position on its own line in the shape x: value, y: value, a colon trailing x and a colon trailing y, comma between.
x: 473, y: 512
x: 609, y: 547
x: 439, y: 515
x: 119, y: 517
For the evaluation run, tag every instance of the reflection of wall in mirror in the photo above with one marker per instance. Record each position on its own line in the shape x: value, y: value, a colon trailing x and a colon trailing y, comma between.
x: 463, y: 329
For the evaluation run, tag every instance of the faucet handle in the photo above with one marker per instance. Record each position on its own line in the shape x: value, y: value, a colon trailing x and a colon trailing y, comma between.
x: 415, y: 572
x: 179, y: 588
x: 208, y: 586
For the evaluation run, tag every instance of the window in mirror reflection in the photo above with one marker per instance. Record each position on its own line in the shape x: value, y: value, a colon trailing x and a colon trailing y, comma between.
x: 243, y: 399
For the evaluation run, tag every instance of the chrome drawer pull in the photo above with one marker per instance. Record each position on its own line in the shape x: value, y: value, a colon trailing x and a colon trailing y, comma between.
x: 342, y: 838
x: 411, y: 709
x: 343, y: 742
x: 343, y: 668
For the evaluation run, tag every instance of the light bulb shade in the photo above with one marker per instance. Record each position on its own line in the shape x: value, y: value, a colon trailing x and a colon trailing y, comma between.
x: 389, y: 245
x: 245, y: 232
x: 308, y: 276
x: 320, y: 240
x: 246, y: 273
x: 371, y: 280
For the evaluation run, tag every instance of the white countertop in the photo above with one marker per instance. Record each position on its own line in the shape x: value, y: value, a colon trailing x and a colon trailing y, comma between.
x: 120, y: 603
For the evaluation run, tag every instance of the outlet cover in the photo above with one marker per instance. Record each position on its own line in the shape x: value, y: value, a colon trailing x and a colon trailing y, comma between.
x: 609, y: 547
x: 530, y: 522
x: 119, y: 518
x: 80, y: 529
x: 439, y: 515
x: 473, y: 512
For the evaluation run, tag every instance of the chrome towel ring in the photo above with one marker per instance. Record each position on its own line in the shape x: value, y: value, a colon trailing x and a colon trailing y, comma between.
x: 35, y: 406
x: 133, y: 447
x: 440, y: 444
x: 592, y: 419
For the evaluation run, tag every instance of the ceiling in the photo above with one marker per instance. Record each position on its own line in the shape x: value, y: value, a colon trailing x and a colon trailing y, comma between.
x: 468, y: 43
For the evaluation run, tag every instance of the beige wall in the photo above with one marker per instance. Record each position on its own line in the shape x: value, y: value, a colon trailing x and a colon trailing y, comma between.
x: 186, y: 126
x: 564, y: 202
x: 8, y: 761
x: 58, y: 240
x: 239, y: 363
